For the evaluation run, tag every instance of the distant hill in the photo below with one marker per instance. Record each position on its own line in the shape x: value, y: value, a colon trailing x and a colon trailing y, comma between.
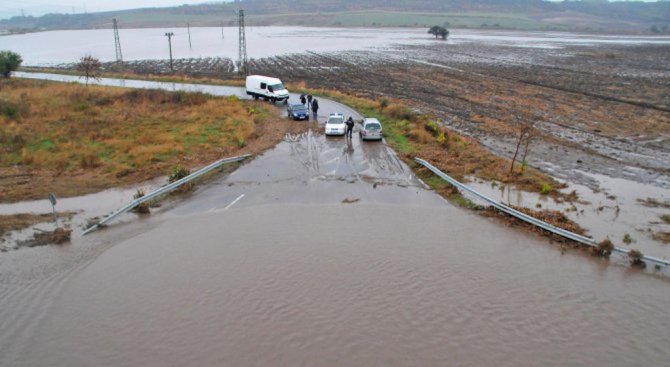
x: 509, y: 14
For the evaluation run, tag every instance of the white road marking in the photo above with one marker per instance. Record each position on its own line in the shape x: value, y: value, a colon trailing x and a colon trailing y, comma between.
x: 227, y: 206
x: 234, y: 202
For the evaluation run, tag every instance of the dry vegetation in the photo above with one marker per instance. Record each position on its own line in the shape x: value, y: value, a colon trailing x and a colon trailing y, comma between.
x: 71, y: 140
x: 415, y: 135
x: 9, y: 223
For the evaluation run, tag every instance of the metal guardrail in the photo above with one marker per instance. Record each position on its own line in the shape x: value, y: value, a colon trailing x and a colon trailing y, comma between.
x: 527, y: 218
x: 165, y: 189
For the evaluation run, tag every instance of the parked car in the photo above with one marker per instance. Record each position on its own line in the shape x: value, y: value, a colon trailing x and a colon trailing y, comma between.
x: 371, y: 129
x: 270, y: 89
x: 297, y: 111
x: 335, y: 124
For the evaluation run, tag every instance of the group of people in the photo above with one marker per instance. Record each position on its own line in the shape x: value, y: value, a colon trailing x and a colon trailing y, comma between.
x: 311, y: 102
x: 313, y: 105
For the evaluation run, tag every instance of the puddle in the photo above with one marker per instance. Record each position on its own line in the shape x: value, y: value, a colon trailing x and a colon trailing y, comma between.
x: 613, y: 212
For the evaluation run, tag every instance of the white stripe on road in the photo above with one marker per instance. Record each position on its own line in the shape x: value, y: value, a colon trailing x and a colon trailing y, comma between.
x: 213, y: 210
x: 234, y: 202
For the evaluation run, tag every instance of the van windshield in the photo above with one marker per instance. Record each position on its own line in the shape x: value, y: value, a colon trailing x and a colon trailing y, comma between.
x: 277, y: 87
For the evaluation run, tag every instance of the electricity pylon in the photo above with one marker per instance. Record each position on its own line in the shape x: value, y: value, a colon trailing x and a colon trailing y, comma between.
x: 243, y: 45
x: 117, y: 42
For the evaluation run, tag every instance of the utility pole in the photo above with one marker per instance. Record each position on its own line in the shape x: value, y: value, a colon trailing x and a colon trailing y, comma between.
x: 222, y: 37
x: 117, y: 42
x: 169, y: 36
x: 189, y: 36
x: 243, y: 45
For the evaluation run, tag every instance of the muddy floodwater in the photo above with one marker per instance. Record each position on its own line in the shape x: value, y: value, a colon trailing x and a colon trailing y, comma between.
x: 324, y: 252
x: 56, y: 47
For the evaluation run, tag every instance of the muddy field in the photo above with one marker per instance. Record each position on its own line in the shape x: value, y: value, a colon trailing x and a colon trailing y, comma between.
x: 599, y: 111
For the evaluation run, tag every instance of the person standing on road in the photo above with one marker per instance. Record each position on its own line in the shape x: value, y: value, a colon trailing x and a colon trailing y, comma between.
x: 350, y: 127
x: 309, y: 101
x: 315, y: 107
x: 302, y: 99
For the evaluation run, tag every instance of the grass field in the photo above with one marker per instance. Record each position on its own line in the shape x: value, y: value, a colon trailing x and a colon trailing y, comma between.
x: 72, y: 139
x: 455, y: 20
x: 352, y: 19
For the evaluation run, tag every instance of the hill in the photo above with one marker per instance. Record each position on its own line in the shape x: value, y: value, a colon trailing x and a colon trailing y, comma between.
x: 509, y: 14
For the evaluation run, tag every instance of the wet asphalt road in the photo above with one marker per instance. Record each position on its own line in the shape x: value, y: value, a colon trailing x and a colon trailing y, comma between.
x: 320, y: 252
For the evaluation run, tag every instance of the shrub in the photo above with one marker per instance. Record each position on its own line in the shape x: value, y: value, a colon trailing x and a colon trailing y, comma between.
x: 383, y: 103
x: 9, y: 61
x: 9, y: 110
x: 604, y: 248
x: 627, y: 239
x: 636, y: 258
x: 545, y: 189
x: 89, y: 160
x: 442, y: 139
x: 432, y: 127
x: 177, y: 173
x: 142, y: 208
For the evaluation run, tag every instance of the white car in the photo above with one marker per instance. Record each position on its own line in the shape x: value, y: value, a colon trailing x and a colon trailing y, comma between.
x: 371, y: 129
x: 335, y: 125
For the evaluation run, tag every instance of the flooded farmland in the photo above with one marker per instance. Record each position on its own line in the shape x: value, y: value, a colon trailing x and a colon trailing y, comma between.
x: 60, y: 47
x: 332, y: 253
x: 327, y: 251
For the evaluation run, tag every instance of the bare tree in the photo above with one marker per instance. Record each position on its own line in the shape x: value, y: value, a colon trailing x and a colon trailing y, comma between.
x: 89, y: 66
x: 526, y: 132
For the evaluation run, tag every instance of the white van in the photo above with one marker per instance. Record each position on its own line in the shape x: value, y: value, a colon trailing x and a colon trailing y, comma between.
x: 271, y: 89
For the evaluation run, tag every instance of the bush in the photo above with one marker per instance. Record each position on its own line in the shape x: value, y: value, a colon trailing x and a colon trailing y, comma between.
x: 442, y: 139
x: 420, y: 135
x: 9, y: 61
x: 636, y: 258
x: 9, y: 110
x: 604, y: 248
x: 627, y: 239
x: 545, y: 189
x: 432, y: 127
x: 89, y: 160
x: 177, y: 173
x: 142, y: 208
x: 383, y: 104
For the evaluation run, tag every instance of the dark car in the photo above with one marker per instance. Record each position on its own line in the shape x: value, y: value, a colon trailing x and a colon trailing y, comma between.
x: 297, y: 111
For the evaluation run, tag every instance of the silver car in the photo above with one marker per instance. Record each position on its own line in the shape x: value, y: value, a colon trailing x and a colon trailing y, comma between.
x: 371, y: 129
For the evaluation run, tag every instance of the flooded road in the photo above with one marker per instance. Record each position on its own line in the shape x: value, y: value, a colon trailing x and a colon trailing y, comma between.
x: 322, y: 252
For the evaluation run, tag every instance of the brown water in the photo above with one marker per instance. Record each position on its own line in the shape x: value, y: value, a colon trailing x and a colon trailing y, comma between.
x: 269, y: 266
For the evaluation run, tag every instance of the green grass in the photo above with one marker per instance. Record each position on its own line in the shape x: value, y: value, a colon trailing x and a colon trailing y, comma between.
x: 453, y: 20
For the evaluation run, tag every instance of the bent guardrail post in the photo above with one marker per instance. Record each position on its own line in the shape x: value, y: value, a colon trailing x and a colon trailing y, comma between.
x: 527, y: 218
x: 165, y: 189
